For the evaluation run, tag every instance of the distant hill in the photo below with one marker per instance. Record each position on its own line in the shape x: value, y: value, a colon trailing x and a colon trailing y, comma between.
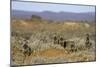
x: 59, y: 16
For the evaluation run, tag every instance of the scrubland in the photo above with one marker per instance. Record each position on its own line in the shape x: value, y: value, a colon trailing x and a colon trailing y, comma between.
x: 40, y: 33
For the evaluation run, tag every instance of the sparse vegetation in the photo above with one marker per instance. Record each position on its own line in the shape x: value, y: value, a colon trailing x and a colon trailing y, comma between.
x: 51, y: 42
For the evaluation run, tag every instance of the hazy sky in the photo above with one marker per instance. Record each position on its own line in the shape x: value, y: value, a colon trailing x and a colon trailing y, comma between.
x: 33, y: 6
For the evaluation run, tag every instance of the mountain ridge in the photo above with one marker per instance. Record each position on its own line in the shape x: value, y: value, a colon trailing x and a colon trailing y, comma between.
x: 59, y: 16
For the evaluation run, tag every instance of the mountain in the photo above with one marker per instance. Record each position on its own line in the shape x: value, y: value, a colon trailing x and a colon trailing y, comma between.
x: 59, y: 16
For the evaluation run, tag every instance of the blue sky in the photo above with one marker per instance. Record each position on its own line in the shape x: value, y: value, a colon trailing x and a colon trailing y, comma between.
x: 39, y: 7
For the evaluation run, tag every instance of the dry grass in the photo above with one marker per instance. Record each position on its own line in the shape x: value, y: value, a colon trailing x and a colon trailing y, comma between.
x: 41, y: 42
